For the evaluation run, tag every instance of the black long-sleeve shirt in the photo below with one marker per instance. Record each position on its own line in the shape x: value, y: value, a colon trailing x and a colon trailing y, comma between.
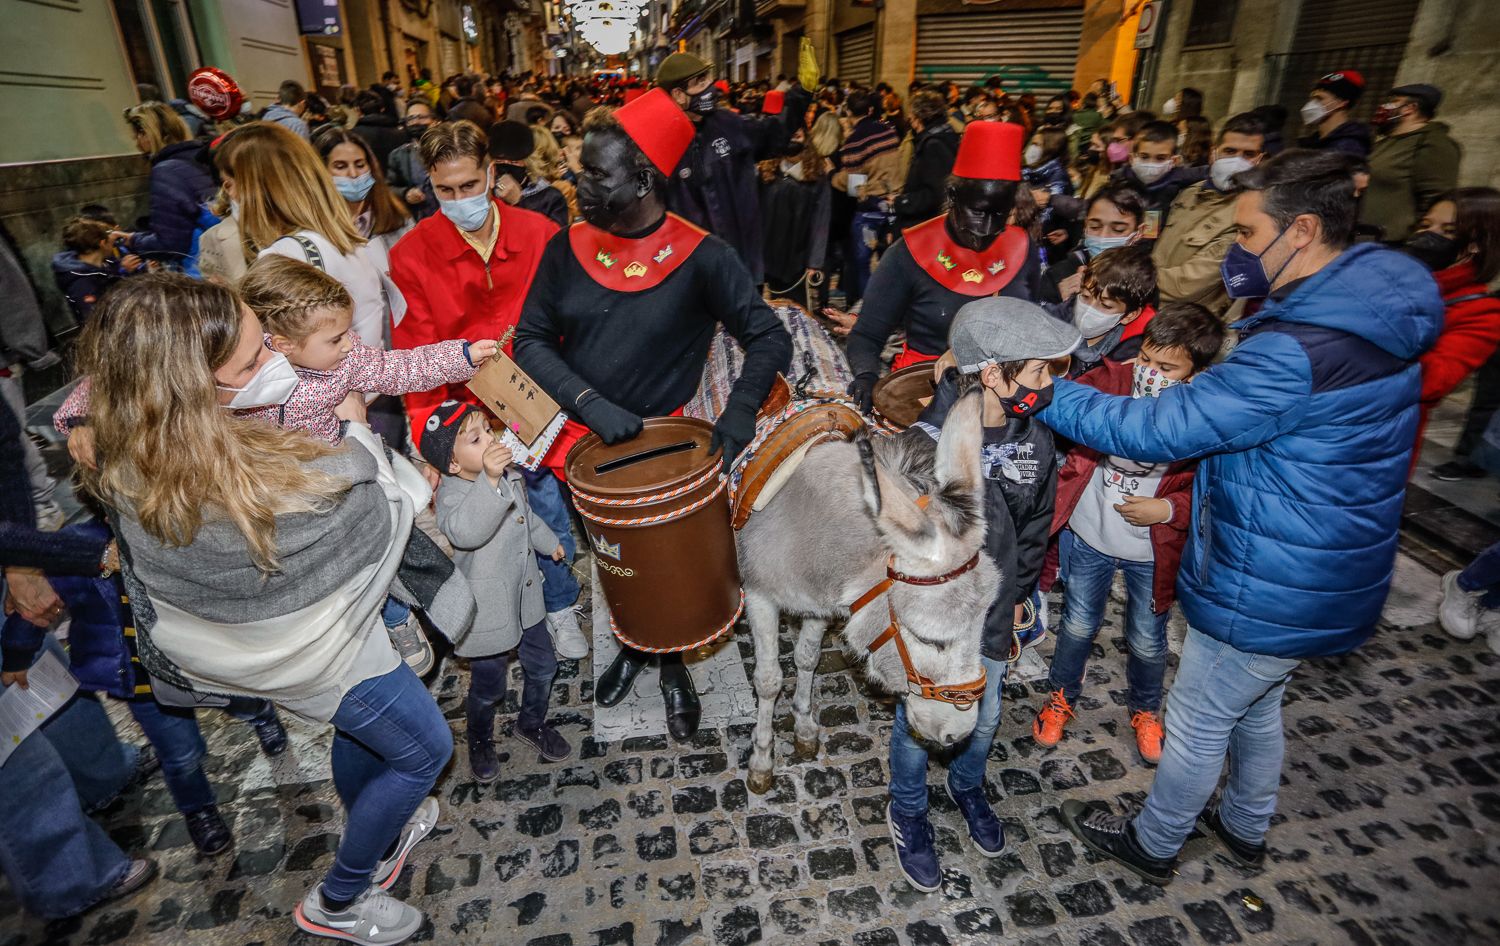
x: 901, y: 293
x: 645, y: 351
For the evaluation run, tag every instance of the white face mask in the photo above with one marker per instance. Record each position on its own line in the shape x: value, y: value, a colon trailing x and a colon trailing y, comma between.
x: 1092, y: 322
x: 1032, y: 154
x: 271, y: 384
x: 1223, y: 170
x: 1150, y: 172
x: 1169, y: 107
x: 234, y: 210
x: 1313, y: 112
x: 1149, y: 382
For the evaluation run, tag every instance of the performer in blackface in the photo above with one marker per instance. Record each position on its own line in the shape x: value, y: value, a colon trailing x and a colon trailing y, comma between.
x: 618, y: 322
x: 937, y: 266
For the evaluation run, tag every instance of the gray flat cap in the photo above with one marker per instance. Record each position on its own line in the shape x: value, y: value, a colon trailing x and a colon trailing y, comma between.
x: 999, y: 329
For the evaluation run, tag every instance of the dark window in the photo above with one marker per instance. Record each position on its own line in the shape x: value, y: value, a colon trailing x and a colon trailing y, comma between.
x: 1211, y: 22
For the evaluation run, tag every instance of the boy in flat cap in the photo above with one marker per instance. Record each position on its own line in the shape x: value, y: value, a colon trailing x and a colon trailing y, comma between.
x: 1004, y: 346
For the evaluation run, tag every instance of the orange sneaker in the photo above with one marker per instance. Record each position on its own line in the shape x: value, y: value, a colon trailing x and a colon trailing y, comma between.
x: 1048, y: 728
x: 1148, y: 735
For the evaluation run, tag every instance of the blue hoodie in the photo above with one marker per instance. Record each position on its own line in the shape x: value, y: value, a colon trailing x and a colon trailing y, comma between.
x: 1306, y: 431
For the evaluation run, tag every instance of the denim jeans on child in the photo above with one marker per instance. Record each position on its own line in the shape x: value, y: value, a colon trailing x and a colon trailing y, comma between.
x: 487, y: 683
x: 173, y: 732
x: 559, y: 584
x: 1090, y: 575
x: 391, y: 741
x: 1223, y: 701
x: 59, y: 862
x: 867, y: 232
x: 1483, y: 574
x: 909, y: 758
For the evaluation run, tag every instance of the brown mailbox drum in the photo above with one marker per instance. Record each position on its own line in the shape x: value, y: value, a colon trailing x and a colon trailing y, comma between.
x: 657, y: 515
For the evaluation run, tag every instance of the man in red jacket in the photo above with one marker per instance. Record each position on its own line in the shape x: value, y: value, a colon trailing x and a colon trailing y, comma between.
x: 1131, y: 516
x: 467, y: 270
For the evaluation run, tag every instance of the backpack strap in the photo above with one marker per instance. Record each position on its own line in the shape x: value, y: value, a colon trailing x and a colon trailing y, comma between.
x: 1471, y: 297
x: 310, y: 250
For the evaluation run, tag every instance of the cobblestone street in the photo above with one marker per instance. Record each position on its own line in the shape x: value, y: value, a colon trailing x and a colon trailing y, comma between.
x: 1387, y: 831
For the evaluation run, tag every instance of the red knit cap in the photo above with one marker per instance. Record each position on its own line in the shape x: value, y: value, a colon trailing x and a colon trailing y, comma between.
x: 775, y: 102
x: 658, y: 127
x: 990, y: 151
x: 215, y: 92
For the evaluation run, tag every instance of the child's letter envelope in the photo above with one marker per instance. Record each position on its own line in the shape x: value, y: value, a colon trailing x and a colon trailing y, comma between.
x: 518, y: 401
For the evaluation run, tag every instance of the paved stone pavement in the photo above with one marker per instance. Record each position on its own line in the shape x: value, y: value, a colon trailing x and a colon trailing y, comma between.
x: 1387, y: 832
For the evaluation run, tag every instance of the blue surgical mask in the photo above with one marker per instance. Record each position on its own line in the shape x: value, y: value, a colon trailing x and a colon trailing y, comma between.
x: 355, y: 188
x: 467, y: 213
x: 1094, y: 245
x: 1244, y: 272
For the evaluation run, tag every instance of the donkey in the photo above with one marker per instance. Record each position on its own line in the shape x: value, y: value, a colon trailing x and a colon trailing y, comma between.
x: 831, y: 534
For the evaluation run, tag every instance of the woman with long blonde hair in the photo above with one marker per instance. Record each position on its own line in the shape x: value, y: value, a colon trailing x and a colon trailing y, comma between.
x: 180, y: 183
x: 257, y: 561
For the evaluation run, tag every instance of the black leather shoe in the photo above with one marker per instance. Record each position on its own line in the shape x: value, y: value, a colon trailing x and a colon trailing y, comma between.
x: 681, y: 698
x: 1247, y: 855
x: 271, y: 733
x: 209, y: 832
x: 615, y: 682
x: 1113, y: 836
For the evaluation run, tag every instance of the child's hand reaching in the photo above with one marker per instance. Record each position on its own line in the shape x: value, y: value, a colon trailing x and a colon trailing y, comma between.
x: 496, y: 460
x: 559, y: 553
x: 1144, y: 510
x: 482, y: 351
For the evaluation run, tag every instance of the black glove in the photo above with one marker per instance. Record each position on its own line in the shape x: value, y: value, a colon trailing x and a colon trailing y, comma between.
x: 862, y: 389
x: 610, y: 421
x: 733, y: 432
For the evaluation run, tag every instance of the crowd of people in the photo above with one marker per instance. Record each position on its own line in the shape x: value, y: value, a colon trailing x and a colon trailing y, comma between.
x: 1205, y: 358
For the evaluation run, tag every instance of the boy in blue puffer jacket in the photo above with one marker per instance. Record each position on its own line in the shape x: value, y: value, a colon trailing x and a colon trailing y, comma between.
x: 1306, y: 432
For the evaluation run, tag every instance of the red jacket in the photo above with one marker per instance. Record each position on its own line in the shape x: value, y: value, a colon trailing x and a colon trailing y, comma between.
x: 1176, y: 486
x: 452, y: 293
x: 1471, y: 333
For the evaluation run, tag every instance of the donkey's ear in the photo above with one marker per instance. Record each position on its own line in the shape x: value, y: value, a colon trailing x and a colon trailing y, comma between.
x: 900, y: 518
x: 959, y: 444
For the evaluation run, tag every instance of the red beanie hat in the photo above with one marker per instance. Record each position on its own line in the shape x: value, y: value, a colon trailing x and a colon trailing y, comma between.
x: 215, y: 93
x: 774, y: 103
x: 990, y: 151
x: 658, y: 127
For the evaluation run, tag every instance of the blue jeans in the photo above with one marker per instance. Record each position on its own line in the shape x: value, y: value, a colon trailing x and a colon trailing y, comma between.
x: 909, y: 758
x: 391, y: 741
x: 559, y: 584
x: 1223, y: 701
x: 394, y: 613
x: 487, y: 683
x: 1483, y: 574
x: 1090, y: 574
x: 867, y: 227
x: 173, y: 732
x: 59, y: 862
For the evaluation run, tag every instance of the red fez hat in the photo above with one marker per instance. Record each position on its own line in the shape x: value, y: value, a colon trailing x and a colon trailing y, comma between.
x: 632, y: 94
x: 658, y: 127
x: 990, y: 151
x: 215, y: 93
x: 774, y: 103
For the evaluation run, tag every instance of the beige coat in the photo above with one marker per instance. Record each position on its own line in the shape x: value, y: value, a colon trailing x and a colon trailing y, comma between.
x: 221, y: 252
x: 1198, y: 234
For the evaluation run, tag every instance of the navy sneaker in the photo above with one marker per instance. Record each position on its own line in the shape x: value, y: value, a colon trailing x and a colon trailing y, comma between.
x: 985, y: 830
x: 1113, y: 836
x: 912, y: 835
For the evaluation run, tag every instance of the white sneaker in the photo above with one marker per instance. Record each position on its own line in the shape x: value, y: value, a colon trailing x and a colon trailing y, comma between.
x: 568, y: 638
x: 1460, y: 610
x: 375, y: 919
x: 419, y: 826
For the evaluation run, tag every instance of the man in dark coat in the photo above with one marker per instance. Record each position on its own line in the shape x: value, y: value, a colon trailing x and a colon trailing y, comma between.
x: 715, y: 184
x: 934, y: 149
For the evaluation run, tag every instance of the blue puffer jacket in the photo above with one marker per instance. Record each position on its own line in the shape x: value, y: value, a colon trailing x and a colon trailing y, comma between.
x: 179, y: 186
x: 1307, y: 431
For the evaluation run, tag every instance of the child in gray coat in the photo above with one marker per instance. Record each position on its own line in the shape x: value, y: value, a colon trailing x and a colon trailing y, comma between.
x: 482, y: 509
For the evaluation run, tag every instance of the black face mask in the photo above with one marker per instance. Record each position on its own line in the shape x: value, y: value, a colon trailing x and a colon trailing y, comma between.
x: 1052, y: 119
x: 1090, y: 156
x: 604, y: 199
x: 1026, y: 401
x: 415, y: 132
x: 1433, y: 249
x: 704, y: 102
x: 979, y: 211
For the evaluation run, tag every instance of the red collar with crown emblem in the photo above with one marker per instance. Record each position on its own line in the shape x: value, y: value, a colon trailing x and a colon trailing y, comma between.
x: 627, y: 265
x: 963, y: 270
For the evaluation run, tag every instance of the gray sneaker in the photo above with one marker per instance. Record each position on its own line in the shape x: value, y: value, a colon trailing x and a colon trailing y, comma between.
x: 412, y: 645
x: 418, y: 826
x: 375, y: 919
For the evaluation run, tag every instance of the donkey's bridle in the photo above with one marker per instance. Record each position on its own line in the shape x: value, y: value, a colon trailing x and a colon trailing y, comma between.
x: 962, y: 695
